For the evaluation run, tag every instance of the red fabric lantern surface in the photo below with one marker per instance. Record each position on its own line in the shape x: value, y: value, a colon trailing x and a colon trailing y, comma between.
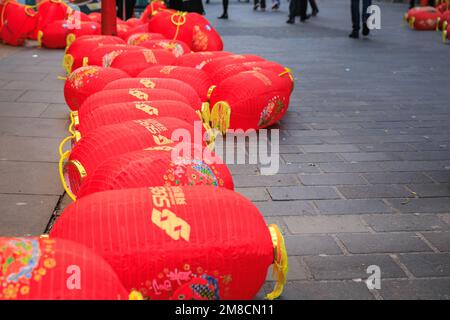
x: 199, y: 59
x: 128, y: 95
x: 179, y: 242
x: 81, y: 47
x: 95, y: 16
x: 191, y: 28
x: 445, y: 20
x: 18, y: 23
x: 134, y: 62
x: 138, y: 29
x: 176, y: 47
x: 413, y: 11
x: 160, y: 83
x: 443, y: 7
x: 51, y: 10
x: 47, y: 268
x: 197, y: 79
x: 122, y: 30
x: 133, y: 22
x: 153, y: 8
x: 249, y: 100
x: 150, y: 167
x: 104, y: 54
x: 221, y: 62
x: 425, y: 20
x: 120, y: 112
x: 446, y: 34
x: 107, y: 141
x: 87, y: 28
x: 85, y: 81
x: 53, y: 36
x: 137, y: 38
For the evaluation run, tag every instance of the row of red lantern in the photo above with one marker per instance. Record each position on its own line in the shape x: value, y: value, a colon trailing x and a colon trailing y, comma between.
x: 431, y: 18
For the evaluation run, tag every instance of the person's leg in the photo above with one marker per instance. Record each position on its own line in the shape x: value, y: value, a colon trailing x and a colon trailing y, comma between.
x: 130, y: 8
x: 365, y: 16
x: 225, y: 10
x: 314, y: 7
x: 355, y: 19
x: 263, y: 4
x: 303, y: 8
x: 292, y: 10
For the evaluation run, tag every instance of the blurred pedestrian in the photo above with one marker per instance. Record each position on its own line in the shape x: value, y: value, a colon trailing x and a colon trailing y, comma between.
x: 127, y: 11
x: 314, y: 7
x: 412, y: 3
x: 276, y: 4
x: 298, y: 7
x: 259, y: 3
x: 357, y: 18
x: 225, y: 10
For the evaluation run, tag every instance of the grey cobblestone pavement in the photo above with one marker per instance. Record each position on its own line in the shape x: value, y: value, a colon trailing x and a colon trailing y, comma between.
x: 364, y: 173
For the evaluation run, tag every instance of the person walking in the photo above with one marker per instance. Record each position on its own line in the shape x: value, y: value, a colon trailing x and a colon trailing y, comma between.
x: 298, y: 7
x: 259, y: 4
x: 314, y: 7
x: 225, y: 10
x: 127, y: 11
x: 276, y: 4
x: 357, y: 18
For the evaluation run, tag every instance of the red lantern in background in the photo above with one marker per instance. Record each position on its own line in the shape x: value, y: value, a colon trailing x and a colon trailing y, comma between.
x: 221, y: 62
x: 177, y: 48
x: 158, y: 167
x: 104, y: 54
x: 133, y: 22
x: 53, y: 36
x: 200, y: 59
x: 152, y: 9
x: 134, y: 62
x: 79, y: 49
x: 139, y: 37
x: 107, y: 141
x: 197, y: 79
x: 86, y: 28
x: 133, y: 30
x: 425, y: 19
x: 18, y: 23
x: 249, y: 100
x: 120, y: 112
x: 85, y: 81
x: 122, y: 30
x: 159, y: 83
x: 95, y: 16
x: 55, y: 269
x: 179, y: 242
x: 128, y: 95
x: 51, y: 10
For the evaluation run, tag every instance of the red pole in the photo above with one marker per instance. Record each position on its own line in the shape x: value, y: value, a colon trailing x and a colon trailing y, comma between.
x: 109, y: 26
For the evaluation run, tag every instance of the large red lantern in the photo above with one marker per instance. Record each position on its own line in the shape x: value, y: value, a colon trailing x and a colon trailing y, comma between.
x: 139, y: 37
x: 78, y: 50
x: 445, y: 20
x: 133, y: 30
x: 134, y: 22
x: 200, y: 59
x: 107, y: 141
x: 221, y: 62
x: 159, y: 83
x: 425, y: 19
x: 53, y: 36
x: 95, y: 16
x: 134, y: 62
x: 176, y: 47
x: 197, y: 79
x: 152, y: 9
x: 249, y: 100
x: 86, y: 28
x: 18, y: 23
x: 179, y: 243
x: 85, y: 81
x: 55, y: 269
x: 128, y: 95
x: 158, y: 167
x: 120, y: 112
x: 190, y: 28
x: 103, y: 55
x: 51, y: 10
x: 122, y: 30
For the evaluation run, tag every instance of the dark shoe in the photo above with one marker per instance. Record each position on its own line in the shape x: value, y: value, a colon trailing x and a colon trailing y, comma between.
x: 365, y: 30
x: 354, y: 34
x: 223, y: 16
x: 290, y: 21
x: 276, y: 6
x: 314, y: 13
x: 303, y: 19
x: 256, y: 6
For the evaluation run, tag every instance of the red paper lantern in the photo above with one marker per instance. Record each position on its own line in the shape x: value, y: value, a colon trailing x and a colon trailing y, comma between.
x: 53, y: 36
x: 85, y: 81
x: 197, y: 79
x: 153, y: 8
x: 134, y: 62
x: 128, y: 95
x: 18, y: 23
x: 133, y: 22
x: 179, y: 242
x: 150, y: 167
x: 139, y: 37
x: 446, y: 34
x: 221, y: 62
x: 424, y: 19
x: 200, y: 59
x: 51, y: 10
x: 249, y: 100
x: 444, y: 21
x: 107, y: 141
x: 79, y: 49
x: 86, y: 28
x: 120, y: 112
x: 104, y: 54
x: 55, y: 269
x: 191, y: 28
x: 122, y: 30
x: 176, y: 47
x: 137, y: 29
x: 95, y: 16
x: 411, y: 12
x: 160, y: 83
